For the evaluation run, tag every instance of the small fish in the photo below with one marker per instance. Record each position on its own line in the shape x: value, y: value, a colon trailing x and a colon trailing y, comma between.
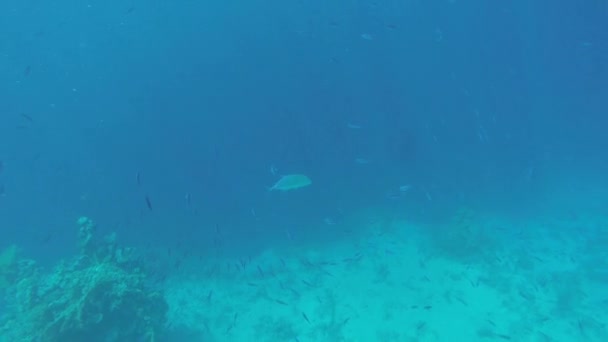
x: 393, y: 196
x: 26, y: 117
x: 188, y: 199
x: 288, y: 234
x: 438, y: 35
x: 148, y: 203
x: 27, y: 71
x: 306, y: 318
x: 2, y: 190
x: 138, y: 178
x: 273, y: 170
x: 278, y: 301
x: 307, y: 283
x: 353, y: 126
x: 404, y: 188
x: 329, y: 221
x: 47, y: 237
x: 367, y: 36
x: 428, y: 195
x: 482, y: 134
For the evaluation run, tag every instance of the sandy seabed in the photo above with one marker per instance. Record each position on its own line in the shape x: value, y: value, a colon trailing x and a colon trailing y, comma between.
x: 488, y: 280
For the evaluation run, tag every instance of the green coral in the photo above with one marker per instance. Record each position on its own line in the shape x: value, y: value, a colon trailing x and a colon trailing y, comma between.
x: 100, y: 295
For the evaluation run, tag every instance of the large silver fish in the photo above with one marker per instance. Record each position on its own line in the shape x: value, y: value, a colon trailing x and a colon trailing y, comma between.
x: 291, y: 182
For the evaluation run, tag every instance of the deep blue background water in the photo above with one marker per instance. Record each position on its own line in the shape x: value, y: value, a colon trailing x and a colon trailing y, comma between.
x: 498, y: 106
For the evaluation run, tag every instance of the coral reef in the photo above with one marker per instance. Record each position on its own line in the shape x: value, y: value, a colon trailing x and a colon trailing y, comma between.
x: 100, y: 295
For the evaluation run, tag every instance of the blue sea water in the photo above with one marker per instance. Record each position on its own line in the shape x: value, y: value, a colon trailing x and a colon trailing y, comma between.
x: 457, y: 152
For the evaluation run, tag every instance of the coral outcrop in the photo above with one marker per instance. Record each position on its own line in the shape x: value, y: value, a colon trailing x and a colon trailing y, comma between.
x: 102, y: 294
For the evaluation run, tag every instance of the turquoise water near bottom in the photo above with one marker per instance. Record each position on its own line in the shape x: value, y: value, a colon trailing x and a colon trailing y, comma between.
x: 473, y: 277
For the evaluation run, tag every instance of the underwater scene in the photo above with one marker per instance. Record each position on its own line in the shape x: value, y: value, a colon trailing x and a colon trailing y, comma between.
x: 296, y: 171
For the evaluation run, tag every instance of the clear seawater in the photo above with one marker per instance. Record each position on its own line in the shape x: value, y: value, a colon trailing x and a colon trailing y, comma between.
x: 458, y: 152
